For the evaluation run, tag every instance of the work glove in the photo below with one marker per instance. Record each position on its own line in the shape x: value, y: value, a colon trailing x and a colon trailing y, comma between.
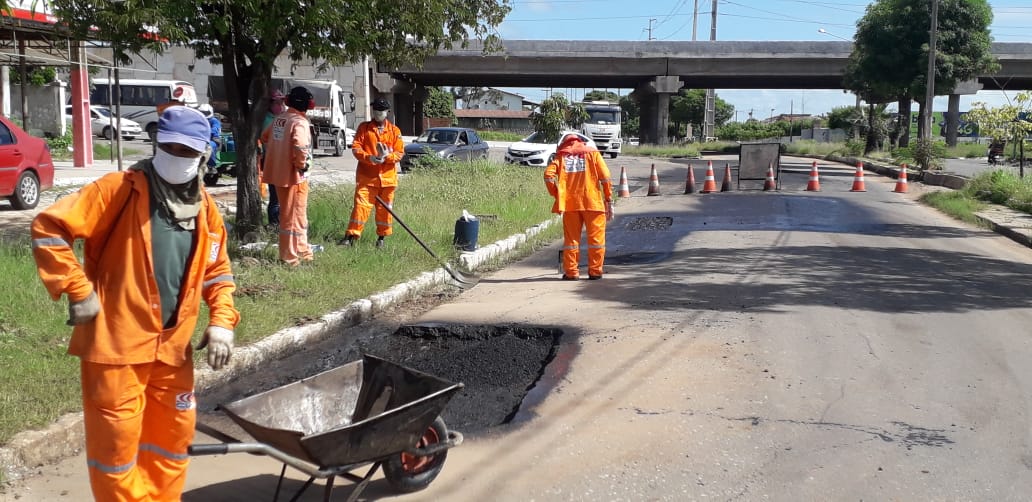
x: 219, y: 341
x: 376, y: 159
x: 82, y: 312
x: 609, y: 210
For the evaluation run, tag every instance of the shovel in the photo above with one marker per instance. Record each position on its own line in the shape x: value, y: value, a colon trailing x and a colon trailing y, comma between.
x: 464, y: 281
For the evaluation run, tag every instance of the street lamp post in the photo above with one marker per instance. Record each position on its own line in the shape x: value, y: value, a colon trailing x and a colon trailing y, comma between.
x: 830, y: 34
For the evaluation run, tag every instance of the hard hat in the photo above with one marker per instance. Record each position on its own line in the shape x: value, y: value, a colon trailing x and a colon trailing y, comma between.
x: 381, y: 105
x: 206, y: 109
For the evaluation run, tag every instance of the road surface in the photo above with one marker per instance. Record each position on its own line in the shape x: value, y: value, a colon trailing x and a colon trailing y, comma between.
x: 796, y: 345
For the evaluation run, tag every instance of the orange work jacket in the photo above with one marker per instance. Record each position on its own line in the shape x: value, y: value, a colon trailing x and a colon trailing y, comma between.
x: 112, y: 216
x: 287, y: 142
x: 579, y: 180
x: 368, y: 134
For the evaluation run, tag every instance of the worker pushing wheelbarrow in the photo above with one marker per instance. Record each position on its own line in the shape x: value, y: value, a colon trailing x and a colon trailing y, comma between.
x: 368, y: 412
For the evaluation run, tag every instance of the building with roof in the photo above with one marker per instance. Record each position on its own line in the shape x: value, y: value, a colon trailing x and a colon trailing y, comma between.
x: 495, y: 120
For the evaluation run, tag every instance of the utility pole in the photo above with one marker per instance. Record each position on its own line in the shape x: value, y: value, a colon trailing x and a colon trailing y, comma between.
x: 710, y: 113
x: 926, y: 120
x: 653, y: 20
x: 695, y: 20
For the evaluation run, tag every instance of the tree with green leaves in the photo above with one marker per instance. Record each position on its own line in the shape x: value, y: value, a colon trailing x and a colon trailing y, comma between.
x: 1006, y: 123
x: 631, y: 112
x: 439, y: 104
x: 597, y: 95
x: 557, y: 114
x: 688, y: 106
x: 890, y: 54
x: 246, y: 36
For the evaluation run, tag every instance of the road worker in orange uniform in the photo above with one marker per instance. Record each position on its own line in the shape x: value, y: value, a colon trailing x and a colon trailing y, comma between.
x: 288, y: 157
x: 154, y: 247
x: 378, y: 147
x: 580, y: 182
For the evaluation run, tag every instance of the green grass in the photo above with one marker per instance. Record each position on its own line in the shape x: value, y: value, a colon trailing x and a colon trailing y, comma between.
x: 102, y: 150
x: 40, y: 381
x: 955, y: 203
x: 991, y: 187
x: 810, y: 147
x: 501, y: 135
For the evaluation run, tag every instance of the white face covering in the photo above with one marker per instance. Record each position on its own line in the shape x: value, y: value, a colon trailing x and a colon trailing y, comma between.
x: 379, y: 115
x: 175, y: 170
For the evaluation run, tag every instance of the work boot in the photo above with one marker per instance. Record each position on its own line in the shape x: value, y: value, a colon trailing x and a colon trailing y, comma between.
x: 347, y: 241
x: 570, y: 277
x: 594, y: 277
x: 380, y: 243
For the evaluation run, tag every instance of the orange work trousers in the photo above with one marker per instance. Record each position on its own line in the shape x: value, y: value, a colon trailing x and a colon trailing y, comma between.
x: 595, y: 224
x: 365, y: 197
x: 293, y: 229
x: 139, y: 421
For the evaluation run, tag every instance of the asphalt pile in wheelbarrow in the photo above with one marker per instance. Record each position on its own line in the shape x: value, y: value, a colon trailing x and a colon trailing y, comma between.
x: 497, y: 364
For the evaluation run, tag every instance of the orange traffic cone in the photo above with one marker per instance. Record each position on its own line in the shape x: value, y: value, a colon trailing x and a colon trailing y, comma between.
x: 858, y: 179
x: 653, y: 182
x: 814, y: 185
x: 689, y: 184
x: 901, y: 181
x: 709, y: 185
x: 770, y: 184
x: 624, y: 190
x: 725, y: 185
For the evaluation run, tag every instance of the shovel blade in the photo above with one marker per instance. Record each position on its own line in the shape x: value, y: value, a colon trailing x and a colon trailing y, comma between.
x: 461, y: 280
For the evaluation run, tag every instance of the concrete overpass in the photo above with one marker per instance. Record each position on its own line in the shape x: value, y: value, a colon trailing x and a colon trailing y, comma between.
x: 657, y: 69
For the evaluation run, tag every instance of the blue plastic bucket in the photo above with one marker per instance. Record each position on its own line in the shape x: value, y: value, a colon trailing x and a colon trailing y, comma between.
x: 466, y: 233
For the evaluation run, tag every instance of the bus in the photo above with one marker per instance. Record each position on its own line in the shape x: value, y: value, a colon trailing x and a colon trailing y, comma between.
x: 141, y: 97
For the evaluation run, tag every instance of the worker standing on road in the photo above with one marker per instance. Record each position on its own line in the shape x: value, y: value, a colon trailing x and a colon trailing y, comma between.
x: 155, y: 246
x: 579, y: 180
x: 288, y: 157
x: 276, y: 107
x: 216, y: 132
x: 378, y: 147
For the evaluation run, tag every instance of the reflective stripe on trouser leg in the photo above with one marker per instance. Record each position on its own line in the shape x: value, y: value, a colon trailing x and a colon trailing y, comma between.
x: 363, y: 206
x: 595, y: 226
x: 168, y: 429
x: 384, y: 221
x: 572, y: 224
x: 113, y: 414
x: 293, y: 237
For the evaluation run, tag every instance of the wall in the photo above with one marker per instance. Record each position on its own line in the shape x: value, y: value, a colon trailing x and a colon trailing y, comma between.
x: 506, y: 102
x: 45, y: 110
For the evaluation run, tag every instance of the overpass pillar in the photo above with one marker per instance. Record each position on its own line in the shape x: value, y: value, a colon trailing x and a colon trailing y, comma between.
x: 953, y: 109
x: 654, y: 100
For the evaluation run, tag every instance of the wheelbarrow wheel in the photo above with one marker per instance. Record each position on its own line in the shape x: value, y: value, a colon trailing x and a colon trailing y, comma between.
x: 410, y: 473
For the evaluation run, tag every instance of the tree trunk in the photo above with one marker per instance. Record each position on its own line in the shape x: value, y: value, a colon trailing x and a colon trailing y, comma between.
x: 872, y: 137
x: 243, y: 81
x: 905, y: 105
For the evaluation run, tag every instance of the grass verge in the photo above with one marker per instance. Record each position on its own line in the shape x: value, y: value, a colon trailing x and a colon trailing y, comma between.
x: 40, y: 380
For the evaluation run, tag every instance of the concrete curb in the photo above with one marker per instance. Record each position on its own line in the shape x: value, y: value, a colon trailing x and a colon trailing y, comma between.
x: 30, y: 450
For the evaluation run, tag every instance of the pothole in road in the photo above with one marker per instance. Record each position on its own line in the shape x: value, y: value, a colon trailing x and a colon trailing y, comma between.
x: 498, y: 366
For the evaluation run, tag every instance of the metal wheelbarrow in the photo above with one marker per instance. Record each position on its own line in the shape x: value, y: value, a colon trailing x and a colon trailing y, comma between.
x: 365, y: 412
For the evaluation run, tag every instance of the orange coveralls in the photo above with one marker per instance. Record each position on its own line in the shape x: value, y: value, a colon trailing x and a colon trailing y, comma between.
x: 579, y: 180
x: 375, y: 179
x: 137, y: 378
x: 288, y: 142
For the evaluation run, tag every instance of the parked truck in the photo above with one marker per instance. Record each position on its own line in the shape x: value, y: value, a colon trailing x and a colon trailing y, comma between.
x: 329, y: 117
x: 603, y: 126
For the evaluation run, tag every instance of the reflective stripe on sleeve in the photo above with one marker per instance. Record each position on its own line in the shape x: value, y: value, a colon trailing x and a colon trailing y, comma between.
x: 49, y: 242
x: 221, y: 278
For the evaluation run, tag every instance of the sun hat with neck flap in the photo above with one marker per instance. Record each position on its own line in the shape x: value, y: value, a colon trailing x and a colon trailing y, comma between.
x: 185, y: 126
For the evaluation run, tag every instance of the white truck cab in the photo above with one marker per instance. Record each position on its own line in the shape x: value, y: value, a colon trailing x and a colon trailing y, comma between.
x: 603, y: 126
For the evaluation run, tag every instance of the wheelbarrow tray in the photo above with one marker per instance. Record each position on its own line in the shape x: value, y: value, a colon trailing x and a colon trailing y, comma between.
x: 360, y: 412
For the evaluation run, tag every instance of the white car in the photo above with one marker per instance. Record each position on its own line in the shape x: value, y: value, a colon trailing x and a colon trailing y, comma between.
x: 535, y: 150
x: 101, y: 123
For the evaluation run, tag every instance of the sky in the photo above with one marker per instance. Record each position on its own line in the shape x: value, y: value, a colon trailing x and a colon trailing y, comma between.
x: 672, y: 20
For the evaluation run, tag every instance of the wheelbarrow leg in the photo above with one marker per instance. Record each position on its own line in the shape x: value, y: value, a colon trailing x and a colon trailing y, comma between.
x: 361, y: 486
x: 328, y: 489
x: 297, y: 496
x: 279, y: 483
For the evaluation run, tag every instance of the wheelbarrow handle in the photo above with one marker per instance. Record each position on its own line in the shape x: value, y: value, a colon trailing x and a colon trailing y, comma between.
x: 208, y: 449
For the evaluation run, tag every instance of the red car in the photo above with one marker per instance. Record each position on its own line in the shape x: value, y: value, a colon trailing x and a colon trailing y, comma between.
x: 26, y: 168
